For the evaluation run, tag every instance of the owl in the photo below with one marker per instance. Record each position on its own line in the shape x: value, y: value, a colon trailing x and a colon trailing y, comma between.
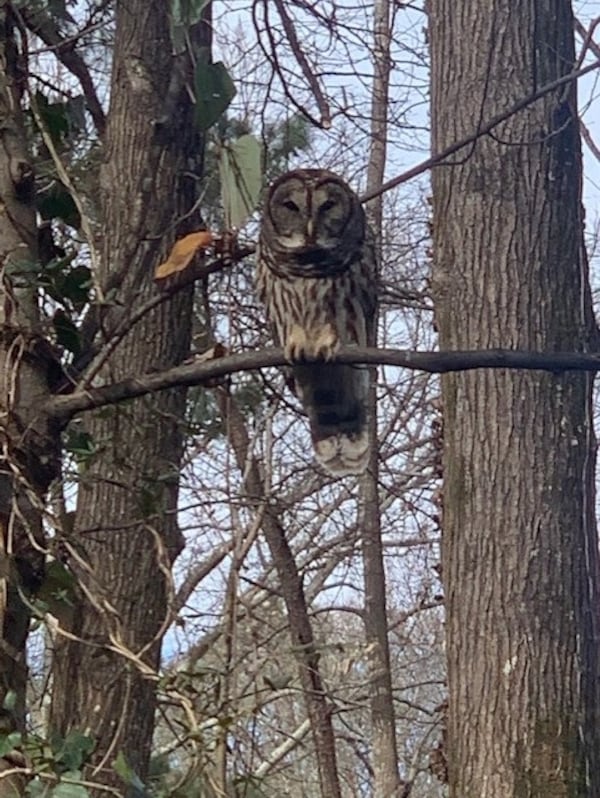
x: 317, y: 277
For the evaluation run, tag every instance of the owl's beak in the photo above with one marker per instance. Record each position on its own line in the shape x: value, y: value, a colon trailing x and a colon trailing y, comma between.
x: 310, y: 226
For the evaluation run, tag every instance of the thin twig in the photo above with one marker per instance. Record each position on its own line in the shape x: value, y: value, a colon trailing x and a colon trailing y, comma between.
x: 86, y: 224
x: 482, y: 130
x: 587, y: 137
x: 271, y: 57
x: 44, y: 27
x: 302, y: 61
x: 129, y: 320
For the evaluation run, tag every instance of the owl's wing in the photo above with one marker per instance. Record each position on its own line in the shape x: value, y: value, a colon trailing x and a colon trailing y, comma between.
x: 288, y: 373
x: 370, y: 294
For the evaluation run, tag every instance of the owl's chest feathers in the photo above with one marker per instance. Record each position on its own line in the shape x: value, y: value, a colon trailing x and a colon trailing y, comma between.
x: 312, y: 263
x: 332, y: 302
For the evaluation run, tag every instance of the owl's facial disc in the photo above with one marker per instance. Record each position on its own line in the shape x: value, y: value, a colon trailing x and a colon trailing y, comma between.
x: 288, y: 211
x: 329, y: 215
x: 309, y: 218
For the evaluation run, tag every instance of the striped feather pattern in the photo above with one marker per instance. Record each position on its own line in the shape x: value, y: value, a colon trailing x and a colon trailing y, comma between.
x: 317, y: 279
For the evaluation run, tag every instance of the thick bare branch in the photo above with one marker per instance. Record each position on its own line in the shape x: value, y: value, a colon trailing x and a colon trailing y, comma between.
x: 43, y: 26
x: 62, y: 408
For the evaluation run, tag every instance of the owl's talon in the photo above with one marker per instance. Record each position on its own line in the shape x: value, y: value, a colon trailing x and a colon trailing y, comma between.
x: 326, y: 344
x: 322, y: 344
x: 296, y: 345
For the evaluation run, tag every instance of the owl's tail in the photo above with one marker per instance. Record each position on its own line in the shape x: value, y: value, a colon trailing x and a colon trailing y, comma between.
x: 335, y: 399
x: 343, y: 454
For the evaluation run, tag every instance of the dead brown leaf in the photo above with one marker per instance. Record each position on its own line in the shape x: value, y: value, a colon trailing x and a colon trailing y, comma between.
x: 182, y: 253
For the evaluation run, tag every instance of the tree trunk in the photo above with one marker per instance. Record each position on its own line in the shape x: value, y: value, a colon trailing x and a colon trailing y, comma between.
x: 384, y: 758
x: 126, y: 526
x: 29, y: 445
x: 520, y: 564
x: 318, y: 706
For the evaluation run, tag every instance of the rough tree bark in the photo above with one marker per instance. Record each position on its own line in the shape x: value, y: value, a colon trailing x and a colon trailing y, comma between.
x: 520, y: 564
x: 126, y: 526
x: 29, y: 444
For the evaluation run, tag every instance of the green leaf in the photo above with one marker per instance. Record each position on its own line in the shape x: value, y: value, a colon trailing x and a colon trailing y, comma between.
x: 204, y: 414
x: 36, y: 788
x: 57, y: 594
x: 61, y: 119
x: 69, y: 789
x: 72, y: 751
x: 10, y: 700
x: 57, y: 577
x: 184, y: 14
x: 241, y: 179
x: 187, y: 12
x: 53, y: 116
x: 122, y: 768
x: 284, y: 140
x: 80, y: 444
x: 8, y: 742
x: 56, y: 203
x: 249, y: 395
x: 67, y: 334
x: 214, y: 91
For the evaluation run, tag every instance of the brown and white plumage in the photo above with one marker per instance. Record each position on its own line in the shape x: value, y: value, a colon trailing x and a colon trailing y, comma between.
x: 316, y: 275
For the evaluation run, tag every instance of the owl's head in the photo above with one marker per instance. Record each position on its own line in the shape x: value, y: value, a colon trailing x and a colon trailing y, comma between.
x: 312, y: 213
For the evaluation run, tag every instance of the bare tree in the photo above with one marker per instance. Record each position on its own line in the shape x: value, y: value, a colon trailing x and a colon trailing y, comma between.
x: 87, y: 336
x: 217, y: 613
x: 384, y: 757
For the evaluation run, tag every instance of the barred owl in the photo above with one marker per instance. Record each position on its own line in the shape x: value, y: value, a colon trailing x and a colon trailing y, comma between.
x: 316, y: 276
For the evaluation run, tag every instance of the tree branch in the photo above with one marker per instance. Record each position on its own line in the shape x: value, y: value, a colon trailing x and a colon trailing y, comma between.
x: 63, y: 408
x: 43, y: 26
x: 482, y: 130
x: 305, y: 67
x: 269, y: 513
x: 271, y: 57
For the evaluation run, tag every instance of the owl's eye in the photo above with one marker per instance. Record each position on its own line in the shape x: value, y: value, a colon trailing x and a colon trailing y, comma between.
x: 327, y: 206
x: 290, y: 205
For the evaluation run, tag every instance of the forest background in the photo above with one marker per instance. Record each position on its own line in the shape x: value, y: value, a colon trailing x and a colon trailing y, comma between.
x: 191, y: 607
